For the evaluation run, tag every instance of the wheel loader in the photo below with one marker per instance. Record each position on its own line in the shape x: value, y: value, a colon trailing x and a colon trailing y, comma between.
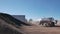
x: 48, y: 22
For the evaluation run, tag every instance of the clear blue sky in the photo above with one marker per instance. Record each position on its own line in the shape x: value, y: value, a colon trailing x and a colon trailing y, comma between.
x: 31, y: 8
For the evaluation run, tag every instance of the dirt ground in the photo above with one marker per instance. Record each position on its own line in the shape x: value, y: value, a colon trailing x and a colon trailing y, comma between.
x: 40, y: 30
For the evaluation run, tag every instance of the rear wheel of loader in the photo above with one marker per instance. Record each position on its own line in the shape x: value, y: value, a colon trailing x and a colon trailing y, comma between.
x: 45, y: 24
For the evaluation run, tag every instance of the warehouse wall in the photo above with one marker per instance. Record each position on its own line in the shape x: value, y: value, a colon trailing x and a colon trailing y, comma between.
x: 20, y: 17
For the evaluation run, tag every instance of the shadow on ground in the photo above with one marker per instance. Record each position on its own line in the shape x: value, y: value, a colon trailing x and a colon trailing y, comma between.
x: 57, y: 26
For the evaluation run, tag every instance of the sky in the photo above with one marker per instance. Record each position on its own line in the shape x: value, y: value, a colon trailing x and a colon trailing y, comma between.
x: 32, y: 9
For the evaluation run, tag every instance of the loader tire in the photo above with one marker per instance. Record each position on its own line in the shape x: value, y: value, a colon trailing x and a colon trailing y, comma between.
x: 46, y: 25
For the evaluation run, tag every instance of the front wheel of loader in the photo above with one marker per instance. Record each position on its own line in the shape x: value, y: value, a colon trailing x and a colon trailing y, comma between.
x: 52, y: 24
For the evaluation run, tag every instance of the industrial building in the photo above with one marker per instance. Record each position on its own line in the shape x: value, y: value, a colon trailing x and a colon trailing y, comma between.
x: 20, y: 17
